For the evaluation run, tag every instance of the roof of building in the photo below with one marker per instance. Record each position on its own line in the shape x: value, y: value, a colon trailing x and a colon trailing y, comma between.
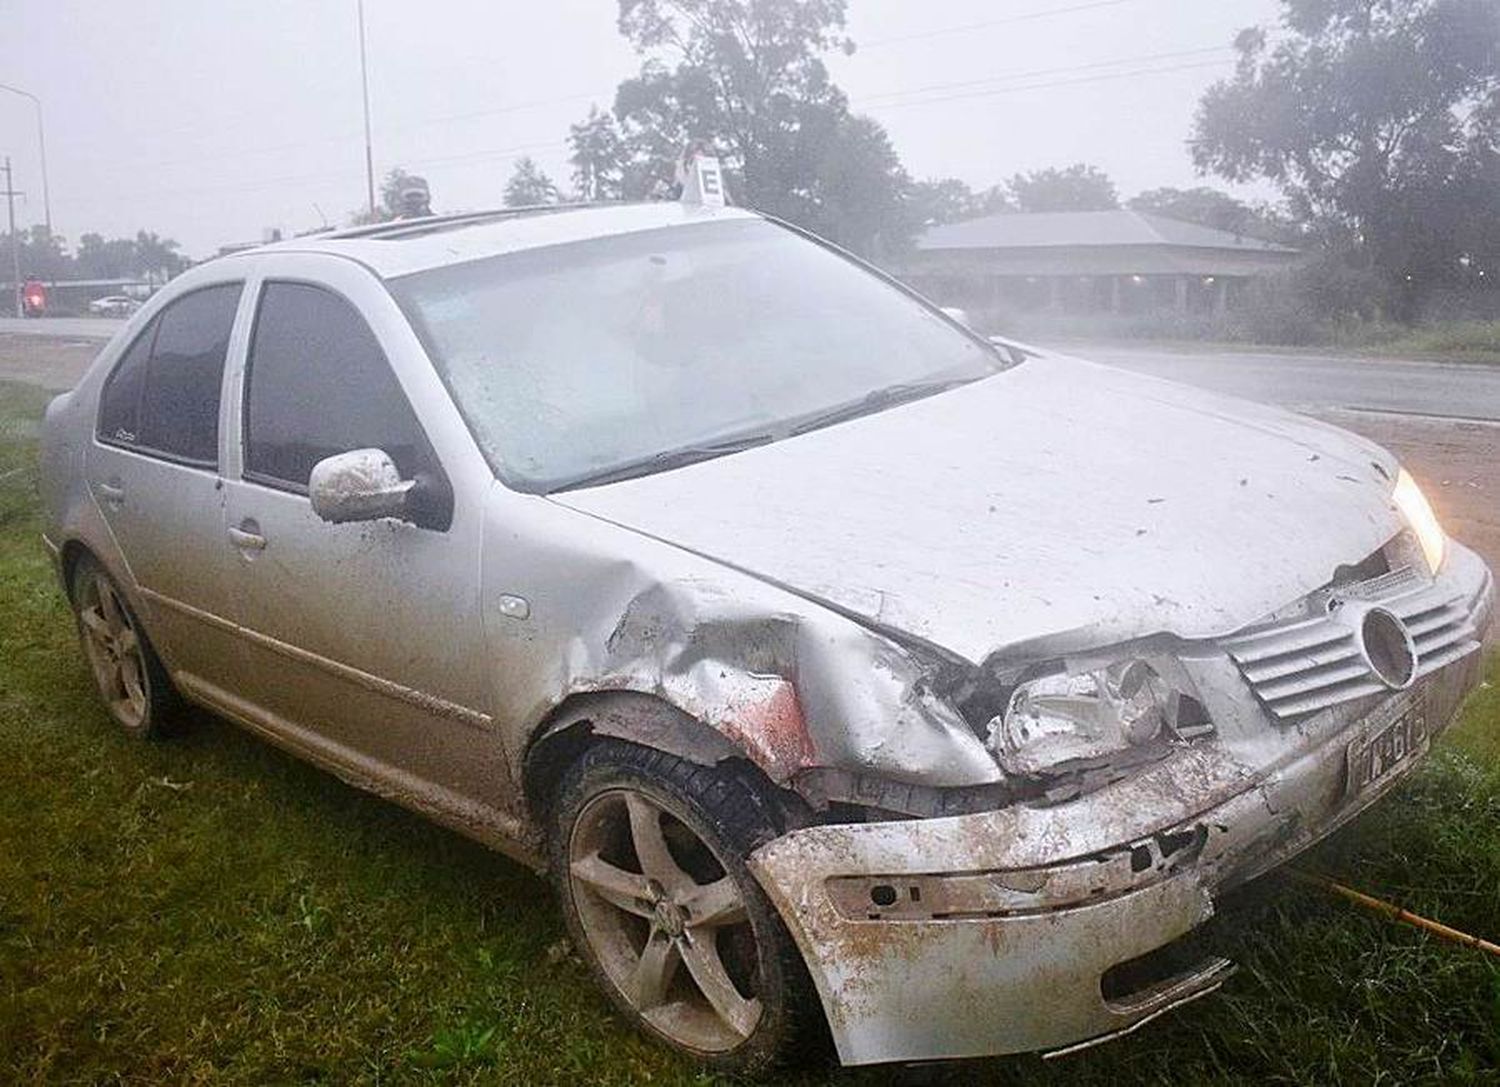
x: 398, y: 248
x: 1092, y: 229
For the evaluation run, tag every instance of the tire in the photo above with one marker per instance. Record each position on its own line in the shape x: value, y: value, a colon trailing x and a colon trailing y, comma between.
x: 129, y: 676
x: 684, y: 942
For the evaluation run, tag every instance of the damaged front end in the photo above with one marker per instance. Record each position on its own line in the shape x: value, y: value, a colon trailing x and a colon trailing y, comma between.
x: 1137, y: 785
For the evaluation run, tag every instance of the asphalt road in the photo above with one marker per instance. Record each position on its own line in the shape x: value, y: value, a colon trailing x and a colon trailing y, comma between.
x: 1313, y: 383
x: 70, y: 328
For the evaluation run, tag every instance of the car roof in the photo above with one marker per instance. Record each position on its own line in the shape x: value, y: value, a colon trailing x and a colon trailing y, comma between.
x: 402, y: 247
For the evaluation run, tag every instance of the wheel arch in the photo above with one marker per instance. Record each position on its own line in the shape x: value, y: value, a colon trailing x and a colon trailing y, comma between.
x: 646, y: 720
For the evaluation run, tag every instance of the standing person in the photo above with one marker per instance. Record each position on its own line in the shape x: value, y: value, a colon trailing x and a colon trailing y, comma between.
x: 414, y: 201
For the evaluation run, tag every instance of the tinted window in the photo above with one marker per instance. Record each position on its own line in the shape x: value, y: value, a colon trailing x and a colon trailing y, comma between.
x: 120, y: 402
x: 318, y: 384
x: 163, y: 397
x: 180, y: 411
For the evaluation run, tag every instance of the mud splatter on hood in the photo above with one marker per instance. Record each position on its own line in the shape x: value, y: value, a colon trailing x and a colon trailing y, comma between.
x: 1057, y: 499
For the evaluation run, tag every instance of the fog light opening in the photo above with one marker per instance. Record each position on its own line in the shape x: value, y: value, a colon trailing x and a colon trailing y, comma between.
x: 1389, y: 649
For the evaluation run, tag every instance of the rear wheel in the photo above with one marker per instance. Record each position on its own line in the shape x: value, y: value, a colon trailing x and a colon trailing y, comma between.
x: 649, y: 856
x: 127, y: 672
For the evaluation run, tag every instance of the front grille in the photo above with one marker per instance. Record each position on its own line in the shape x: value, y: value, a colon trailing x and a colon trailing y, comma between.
x: 1301, y: 666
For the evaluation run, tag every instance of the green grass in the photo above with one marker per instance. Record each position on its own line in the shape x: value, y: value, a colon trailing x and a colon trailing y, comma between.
x: 211, y: 910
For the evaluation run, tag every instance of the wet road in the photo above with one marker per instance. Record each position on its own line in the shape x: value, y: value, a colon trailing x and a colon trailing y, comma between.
x: 1319, y: 382
x: 68, y: 328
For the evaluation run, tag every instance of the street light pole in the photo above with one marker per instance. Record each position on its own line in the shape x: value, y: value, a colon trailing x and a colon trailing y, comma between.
x: 41, y: 139
x: 364, y: 82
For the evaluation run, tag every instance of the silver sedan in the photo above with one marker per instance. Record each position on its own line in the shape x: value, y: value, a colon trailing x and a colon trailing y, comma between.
x: 829, y: 656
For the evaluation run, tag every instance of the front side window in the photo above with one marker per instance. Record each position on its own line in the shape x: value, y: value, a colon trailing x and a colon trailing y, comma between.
x: 163, y: 396
x: 590, y: 361
x: 318, y: 384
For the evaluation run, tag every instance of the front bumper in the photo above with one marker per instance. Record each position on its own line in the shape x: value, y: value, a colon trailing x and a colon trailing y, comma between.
x: 995, y: 933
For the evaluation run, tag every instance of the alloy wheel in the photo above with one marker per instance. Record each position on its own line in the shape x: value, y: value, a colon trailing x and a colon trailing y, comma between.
x: 114, y: 650
x: 665, y: 920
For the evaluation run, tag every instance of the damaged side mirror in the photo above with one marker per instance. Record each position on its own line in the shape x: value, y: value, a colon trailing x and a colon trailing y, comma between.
x: 364, y: 485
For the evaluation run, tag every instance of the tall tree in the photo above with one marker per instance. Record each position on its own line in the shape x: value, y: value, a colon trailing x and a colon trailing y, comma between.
x: 529, y: 185
x: 157, y: 258
x: 598, y: 157
x: 1380, y: 122
x: 747, y: 79
x: 1076, y: 188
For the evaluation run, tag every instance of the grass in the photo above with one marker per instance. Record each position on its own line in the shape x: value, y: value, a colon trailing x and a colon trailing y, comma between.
x: 212, y: 911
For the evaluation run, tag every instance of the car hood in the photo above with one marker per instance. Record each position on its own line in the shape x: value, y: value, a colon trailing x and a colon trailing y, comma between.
x: 1057, y: 505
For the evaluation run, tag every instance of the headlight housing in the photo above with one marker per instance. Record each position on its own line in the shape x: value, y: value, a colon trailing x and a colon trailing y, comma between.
x: 1413, y: 505
x: 1083, y: 718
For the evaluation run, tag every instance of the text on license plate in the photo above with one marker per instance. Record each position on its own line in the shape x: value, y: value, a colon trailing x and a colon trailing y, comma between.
x: 1376, y: 754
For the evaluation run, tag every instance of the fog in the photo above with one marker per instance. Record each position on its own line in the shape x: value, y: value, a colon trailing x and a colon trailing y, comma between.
x: 211, y: 123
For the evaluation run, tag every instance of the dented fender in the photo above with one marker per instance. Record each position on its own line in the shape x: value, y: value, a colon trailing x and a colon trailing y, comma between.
x: 791, y: 685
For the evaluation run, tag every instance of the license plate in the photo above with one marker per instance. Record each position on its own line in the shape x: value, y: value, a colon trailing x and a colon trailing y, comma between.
x: 1393, y: 736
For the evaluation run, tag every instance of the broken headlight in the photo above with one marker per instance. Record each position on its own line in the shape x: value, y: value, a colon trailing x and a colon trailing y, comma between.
x: 1085, y: 718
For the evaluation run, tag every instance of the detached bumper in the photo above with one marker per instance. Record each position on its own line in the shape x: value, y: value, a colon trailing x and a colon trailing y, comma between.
x: 1000, y: 932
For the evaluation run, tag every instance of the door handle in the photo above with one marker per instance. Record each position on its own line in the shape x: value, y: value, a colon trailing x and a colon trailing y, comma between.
x: 111, y: 492
x: 246, y: 540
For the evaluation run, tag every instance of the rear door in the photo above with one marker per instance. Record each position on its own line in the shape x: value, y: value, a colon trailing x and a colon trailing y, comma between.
x: 365, y: 639
x: 154, y: 470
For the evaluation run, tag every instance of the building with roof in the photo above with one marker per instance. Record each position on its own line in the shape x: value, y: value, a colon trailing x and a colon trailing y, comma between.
x: 1119, y: 261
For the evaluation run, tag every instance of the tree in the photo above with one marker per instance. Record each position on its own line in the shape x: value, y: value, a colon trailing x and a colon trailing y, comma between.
x: 1202, y: 205
x: 43, y: 254
x: 598, y: 158
x: 1213, y: 208
x: 949, y: 200
x: 746, y: 78
x: 1380, y: 122
x: 157, y: 257
x: 528, y: 185
x: 1077, y: 188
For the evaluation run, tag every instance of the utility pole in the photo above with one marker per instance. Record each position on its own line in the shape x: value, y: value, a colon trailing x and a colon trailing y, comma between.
x: 15, y: 242
x: 364, y: 82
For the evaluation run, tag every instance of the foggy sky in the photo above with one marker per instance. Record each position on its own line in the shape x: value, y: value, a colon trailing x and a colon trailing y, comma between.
x: 212, y: 120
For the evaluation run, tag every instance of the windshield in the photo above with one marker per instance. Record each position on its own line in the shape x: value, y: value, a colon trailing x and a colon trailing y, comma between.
x: 620, y: 356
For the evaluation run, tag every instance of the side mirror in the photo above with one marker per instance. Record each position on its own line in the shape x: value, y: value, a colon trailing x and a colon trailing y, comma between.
x: 360, y: 485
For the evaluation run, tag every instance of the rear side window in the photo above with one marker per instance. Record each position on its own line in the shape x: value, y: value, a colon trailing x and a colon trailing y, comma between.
x: 318, y: 384
x: 120, y: 402
x: 163, y: 397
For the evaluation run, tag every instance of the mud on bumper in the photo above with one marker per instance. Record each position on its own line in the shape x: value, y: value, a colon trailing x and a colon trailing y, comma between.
x: 1005, y: 932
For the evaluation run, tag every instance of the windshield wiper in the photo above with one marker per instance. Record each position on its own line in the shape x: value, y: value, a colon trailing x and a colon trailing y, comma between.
x: 669, y: 459
x: 879, y: 400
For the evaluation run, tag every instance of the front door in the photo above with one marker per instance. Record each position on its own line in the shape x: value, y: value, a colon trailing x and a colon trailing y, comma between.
x: 365, y: 639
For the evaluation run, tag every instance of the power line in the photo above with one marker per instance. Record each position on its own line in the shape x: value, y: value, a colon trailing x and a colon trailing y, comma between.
x: 1057, y: 83
x: 1030, y: 16
x: 1036, y: 72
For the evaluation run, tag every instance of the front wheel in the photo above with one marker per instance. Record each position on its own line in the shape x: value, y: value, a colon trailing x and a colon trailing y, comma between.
x: 648, y: 852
